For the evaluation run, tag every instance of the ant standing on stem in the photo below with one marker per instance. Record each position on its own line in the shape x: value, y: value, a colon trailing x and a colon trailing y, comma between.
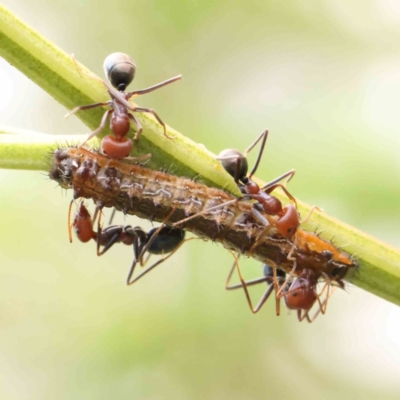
x: 120, y: 71
x: 164, y: 240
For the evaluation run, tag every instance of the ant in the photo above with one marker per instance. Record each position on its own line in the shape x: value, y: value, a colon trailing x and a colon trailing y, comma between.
x: 301, y: 294
x: 235, y: 163
x: 120, y: 71
x: 163, y: 240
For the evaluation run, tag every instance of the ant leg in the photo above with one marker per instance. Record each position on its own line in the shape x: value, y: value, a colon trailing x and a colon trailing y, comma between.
x: 313, y: 208
x: 95, y: 214
x: 112, y: 216
x: 101, y: 126
x: 131, y: 281
x: 206, y: 210
x: 69, y: 222
x: 289, y: 175
x: 301, y: 316
x: 87, y: 107
x: 155, y: 115
x: 264, y: 137
x: 279, y: 294
x: 245, y: 284
x: 273, y: 187
x: 113, y: 239
x: 260, y: 218
x: 138, y: 125
x: 278, y: 288
x: 248, y: 283
x: 322, y: 304
x: 137, y: 93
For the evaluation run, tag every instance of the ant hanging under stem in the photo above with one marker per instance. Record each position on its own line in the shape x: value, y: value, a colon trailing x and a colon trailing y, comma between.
x: 120, y: 71
x: 301, y: 294
x: 163, y: 240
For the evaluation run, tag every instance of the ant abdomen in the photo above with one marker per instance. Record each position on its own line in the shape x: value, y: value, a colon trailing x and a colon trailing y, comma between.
x: 120, y: 70
x: 234, y: 163
x: 268, y: 272
x: 167, y: 240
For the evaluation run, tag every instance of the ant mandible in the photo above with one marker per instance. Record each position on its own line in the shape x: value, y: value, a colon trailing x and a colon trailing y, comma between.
x: 163, y: 240
x: 120, y: 71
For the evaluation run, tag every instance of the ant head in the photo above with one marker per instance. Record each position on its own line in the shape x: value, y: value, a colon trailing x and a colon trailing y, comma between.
x: 120, y: 70
x: 338, y: 273
x: 234, y: 163
x: 302, y: 292
x: 114, y: 148
x: 287, y: 224
x: 82, y: 224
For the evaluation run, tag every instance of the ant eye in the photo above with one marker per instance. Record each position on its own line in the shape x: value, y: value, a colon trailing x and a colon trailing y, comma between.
x: 119, y: 69
x: 234, y: 163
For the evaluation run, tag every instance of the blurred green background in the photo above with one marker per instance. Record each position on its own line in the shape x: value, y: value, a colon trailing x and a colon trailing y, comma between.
x: 324, y: 77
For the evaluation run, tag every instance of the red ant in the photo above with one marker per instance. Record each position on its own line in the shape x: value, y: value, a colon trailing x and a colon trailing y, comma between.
x: 235, y: 163
x: 164, y: 240
x: 120, y: 71
x: 301, y: 294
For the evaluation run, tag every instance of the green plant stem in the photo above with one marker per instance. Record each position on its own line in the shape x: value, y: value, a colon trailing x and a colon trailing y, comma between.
x: 55, y: 72
x: 20, y: 149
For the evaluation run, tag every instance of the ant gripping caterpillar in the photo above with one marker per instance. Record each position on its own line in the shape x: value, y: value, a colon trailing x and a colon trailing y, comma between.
x: 163, y: 241
x: 300, y: 294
